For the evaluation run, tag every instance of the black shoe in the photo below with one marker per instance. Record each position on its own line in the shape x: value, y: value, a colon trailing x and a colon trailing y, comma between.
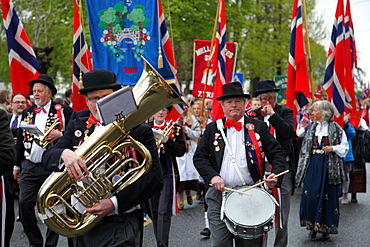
x: 205, y: 232
x: 312, y: 235
x: 325, y: 236
x: 181, y: 206
x: 190, y: 200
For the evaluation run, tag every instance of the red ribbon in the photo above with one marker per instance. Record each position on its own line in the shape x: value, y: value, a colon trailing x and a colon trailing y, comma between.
x: 237, y: 125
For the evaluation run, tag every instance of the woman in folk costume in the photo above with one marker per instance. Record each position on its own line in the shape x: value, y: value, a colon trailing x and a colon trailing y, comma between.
x: 320, y: 167
x: 188, y: 174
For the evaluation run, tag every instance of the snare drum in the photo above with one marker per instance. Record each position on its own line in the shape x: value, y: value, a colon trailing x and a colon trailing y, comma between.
x: 249, y: 216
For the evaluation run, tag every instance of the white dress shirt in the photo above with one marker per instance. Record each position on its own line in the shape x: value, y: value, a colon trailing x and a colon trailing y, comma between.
x: 228, y: 169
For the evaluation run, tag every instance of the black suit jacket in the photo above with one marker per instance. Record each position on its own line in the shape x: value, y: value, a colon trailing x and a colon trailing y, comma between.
x: 283, y: 123
x: 67, y: 112
x: 139, y: 191
x: 7, y: 149
x: 208, y: 159
x: 174, y: 147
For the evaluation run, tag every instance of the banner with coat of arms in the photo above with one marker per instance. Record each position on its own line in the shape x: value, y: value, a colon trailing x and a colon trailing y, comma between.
x: 121, y: 33
x: 201, y: 57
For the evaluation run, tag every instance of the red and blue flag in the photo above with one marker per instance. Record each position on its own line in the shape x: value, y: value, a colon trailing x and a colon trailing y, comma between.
x: 218, y: 60
x: 298, y: 89
x: 22, y: 59
x: 334, y: 79
x: 81, y: 61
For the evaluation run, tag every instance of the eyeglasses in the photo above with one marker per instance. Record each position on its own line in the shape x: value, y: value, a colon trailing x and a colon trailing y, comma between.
x: 268, y: 99
x: 20, y: 102
x: 95, y: 99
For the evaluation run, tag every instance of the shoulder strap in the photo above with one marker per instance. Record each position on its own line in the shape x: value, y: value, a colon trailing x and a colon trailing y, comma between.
x: 220, y: 127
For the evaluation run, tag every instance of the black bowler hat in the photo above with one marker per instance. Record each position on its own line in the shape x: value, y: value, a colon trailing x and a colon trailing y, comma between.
x: 265, y: 87
x: 232, y: 90
x: 99, y: 79
x: 46, y: 80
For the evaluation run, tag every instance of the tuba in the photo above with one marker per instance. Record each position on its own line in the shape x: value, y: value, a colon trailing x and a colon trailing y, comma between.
x: 151, y: 94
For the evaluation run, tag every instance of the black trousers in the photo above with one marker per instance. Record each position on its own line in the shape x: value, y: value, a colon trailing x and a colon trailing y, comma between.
x: 125, y: 230
x: 33, y: 176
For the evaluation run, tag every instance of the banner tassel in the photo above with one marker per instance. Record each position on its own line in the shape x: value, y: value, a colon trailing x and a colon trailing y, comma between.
x: 160, y: 58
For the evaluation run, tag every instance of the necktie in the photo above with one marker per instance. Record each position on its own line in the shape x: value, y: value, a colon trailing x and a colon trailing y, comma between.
x: 15, y: 122
x: 39, y: 109
x: 237, y: 125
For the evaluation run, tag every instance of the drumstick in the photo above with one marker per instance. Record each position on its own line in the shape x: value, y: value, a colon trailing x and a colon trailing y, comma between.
x: 258, y: 184
x: 237, y: 191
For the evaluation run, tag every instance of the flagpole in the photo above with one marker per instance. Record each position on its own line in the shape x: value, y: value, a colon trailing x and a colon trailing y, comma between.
x: 209, y: 60
x: 308, y: 51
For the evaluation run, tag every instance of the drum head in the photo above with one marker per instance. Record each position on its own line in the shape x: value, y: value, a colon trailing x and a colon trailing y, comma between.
x: 253, y: 210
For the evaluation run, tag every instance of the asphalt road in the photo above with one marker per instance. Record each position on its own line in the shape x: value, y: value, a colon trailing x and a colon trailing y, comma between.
x: 354, y: 227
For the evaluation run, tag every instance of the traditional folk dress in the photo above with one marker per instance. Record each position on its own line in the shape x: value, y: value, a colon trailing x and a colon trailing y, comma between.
x: 322, y: 174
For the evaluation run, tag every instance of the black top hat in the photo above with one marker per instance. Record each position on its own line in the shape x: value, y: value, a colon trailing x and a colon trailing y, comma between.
x: 99, y: 79
x: 46, y: 80
x: 265, y: 87
x: 231, y: 90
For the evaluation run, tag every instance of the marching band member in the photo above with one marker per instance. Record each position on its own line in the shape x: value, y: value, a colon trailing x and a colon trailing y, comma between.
x: 123, y: 221
x: 280, y: 121
x: 235, y: 160
x: 28, y: 170
x: 163, y: 204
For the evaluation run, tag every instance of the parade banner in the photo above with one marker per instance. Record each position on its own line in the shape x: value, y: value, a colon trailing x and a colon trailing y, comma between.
x: 201, y: 57
x: 122, y: 32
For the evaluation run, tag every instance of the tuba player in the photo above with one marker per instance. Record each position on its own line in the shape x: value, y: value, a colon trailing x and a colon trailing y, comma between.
x: 122, y: 213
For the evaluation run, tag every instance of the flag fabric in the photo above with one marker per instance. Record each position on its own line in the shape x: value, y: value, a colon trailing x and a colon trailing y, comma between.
x: 121, y: 32
x: 22, y: 59
x: 318, y: 92
x: 200, y: 67
x: 350, y: 65
x: 334, y: 79
x: 218, y: 61
x: 298, y: 89
x: 81, y: 61
x: 167, y: 49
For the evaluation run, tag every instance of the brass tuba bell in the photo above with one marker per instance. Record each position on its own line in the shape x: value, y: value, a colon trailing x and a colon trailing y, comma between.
x: 151, y: 93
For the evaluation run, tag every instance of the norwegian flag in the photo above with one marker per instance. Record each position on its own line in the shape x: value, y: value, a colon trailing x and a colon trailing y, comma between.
x: 170, y: 55
x: 22, y: 59
x: 297, y: 86
x: 335, y: 73
x: 218, y: 60
x: 351, y: 64
x: 81, y: 61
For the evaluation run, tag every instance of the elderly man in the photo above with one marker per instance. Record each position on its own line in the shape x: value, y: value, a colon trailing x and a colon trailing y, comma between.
x: 123, y: 221
x: 28, y: 168
x: 229, y: 155
x: 280, y: 121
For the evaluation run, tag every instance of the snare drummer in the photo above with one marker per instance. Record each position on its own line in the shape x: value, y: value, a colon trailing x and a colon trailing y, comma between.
x: 237, y: 161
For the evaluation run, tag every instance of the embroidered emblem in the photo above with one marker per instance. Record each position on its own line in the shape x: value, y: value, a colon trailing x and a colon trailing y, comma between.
x: 78, y: 133
x: 249, y: 126
x: 58, y: 107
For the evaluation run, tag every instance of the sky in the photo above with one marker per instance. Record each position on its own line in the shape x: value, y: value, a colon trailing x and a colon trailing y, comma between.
x: 360, y: 10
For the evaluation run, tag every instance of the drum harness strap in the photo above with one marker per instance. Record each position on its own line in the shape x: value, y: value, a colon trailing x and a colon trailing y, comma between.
x: 220, y: 127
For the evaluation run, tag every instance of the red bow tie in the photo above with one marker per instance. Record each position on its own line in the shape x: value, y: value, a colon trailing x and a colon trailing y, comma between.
x: 237, y: 125
x: 159, y: 127
x: 39, y: 109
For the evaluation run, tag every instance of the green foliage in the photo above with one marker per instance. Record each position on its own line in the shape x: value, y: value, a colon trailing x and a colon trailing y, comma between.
x: 138, y: 15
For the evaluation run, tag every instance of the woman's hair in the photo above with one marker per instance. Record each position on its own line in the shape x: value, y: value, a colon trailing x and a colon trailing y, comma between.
x: 325, y: 107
